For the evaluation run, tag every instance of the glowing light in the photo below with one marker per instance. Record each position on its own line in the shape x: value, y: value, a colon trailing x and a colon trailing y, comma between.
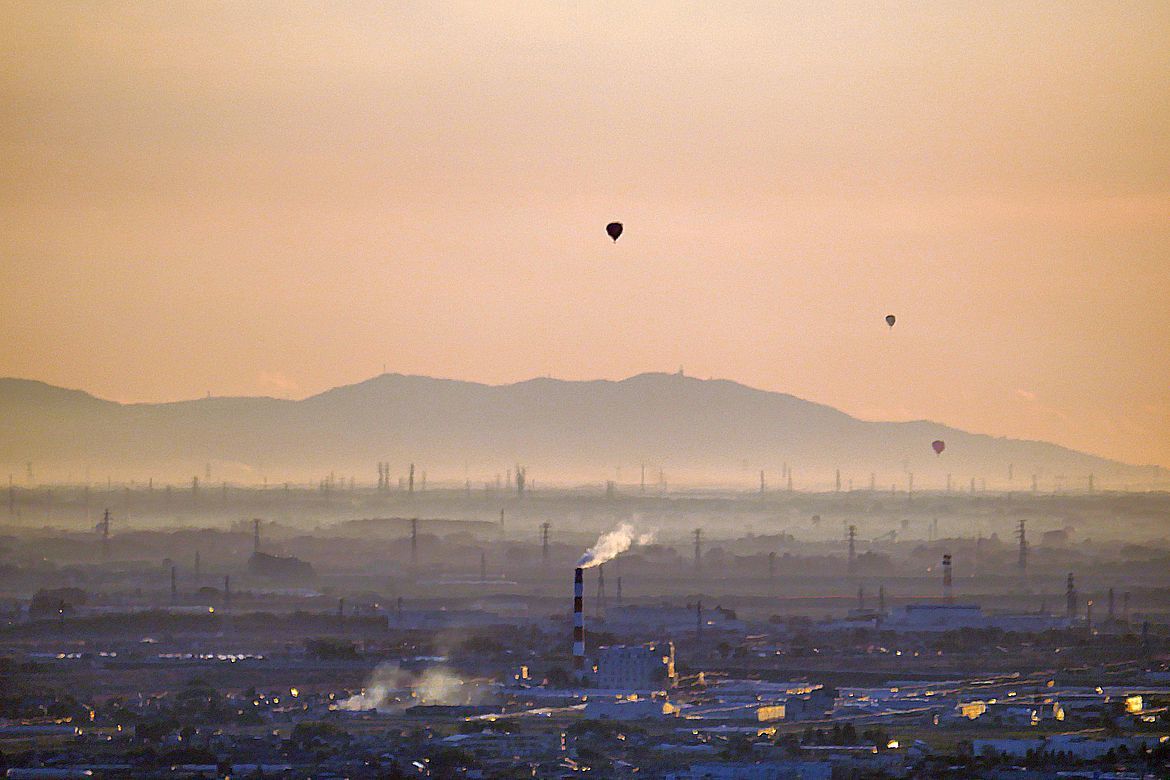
x: 294, y: 692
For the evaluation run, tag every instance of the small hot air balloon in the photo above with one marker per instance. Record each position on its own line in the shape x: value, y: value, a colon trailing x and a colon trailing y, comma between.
x: 614, y: 229
x: 891, y: 319
x: 938, y: 445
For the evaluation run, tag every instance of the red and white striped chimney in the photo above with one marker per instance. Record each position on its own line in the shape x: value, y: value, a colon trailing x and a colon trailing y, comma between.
x: 578, y: 621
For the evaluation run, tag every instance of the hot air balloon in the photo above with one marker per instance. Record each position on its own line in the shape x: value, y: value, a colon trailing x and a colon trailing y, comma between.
x: 614, y: 229
x: 891, y: 319
x: 938, y: 445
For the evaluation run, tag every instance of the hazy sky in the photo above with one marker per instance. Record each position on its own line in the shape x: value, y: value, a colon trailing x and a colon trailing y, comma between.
x: 277, y: 198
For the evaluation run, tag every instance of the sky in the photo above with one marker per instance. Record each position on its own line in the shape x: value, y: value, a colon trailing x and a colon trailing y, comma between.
x: 275, y: 198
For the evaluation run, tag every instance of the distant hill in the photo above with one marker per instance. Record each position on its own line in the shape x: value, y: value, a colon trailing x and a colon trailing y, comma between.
x: 694, y: 430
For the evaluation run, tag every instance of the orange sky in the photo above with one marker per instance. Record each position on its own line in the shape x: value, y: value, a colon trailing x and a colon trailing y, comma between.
x: 276, y: 198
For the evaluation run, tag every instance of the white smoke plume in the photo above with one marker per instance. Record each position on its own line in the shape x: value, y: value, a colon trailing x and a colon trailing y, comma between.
x: 392, y: 689
x: 612, y: 544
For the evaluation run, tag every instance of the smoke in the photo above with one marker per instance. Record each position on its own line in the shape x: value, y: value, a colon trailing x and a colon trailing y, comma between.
x: 612, y: 544
x: 392, y: 689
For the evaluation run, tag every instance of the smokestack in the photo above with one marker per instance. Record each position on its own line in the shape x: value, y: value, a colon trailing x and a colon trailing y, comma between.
x: 852, y: 537
x: 106, y: 535
x: 174, y: 587
x: 1023, y: 560
x: 414, y: 544
x: 698, y: 550
x: 948, y: 596
x: 860, y: 598
x: 578, y: 622
x: 619, y: 591
x: 544, y: 542
x: 1070, y: 598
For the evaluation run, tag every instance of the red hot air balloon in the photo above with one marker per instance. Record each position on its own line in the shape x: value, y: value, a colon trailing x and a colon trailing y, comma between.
x: 614, y: 229
x: 891, y: 319
x: 938, y: 445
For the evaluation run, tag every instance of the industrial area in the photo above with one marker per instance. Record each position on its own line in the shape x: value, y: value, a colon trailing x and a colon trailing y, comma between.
x: 613, y: 630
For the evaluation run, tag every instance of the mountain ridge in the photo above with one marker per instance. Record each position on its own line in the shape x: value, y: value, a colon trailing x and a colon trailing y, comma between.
x: 693, y: 428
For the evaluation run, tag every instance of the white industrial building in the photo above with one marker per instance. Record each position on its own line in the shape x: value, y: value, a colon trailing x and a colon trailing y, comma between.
x: 648, y: 667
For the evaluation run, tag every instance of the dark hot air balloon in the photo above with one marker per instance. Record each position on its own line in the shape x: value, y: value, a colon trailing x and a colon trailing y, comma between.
x: 938, y: 445
x: 614, y: 229
x: 891, y: 319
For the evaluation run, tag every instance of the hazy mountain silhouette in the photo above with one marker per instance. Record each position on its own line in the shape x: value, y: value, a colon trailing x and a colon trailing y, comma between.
x: 693, y: 429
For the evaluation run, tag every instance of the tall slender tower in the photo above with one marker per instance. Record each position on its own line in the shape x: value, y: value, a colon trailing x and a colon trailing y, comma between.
x: 410, y: 481
x: 105, y: 528
x: 948, y: 582
x: 414, y: 543
x: 578, y: 622
x: 544, y: 542
x: 852, y: 547
x: 698, y: 550
x: 1070, y: 598
x: 1021, y: 535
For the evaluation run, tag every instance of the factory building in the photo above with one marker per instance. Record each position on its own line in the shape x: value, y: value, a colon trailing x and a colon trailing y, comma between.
x: 648, y: 667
